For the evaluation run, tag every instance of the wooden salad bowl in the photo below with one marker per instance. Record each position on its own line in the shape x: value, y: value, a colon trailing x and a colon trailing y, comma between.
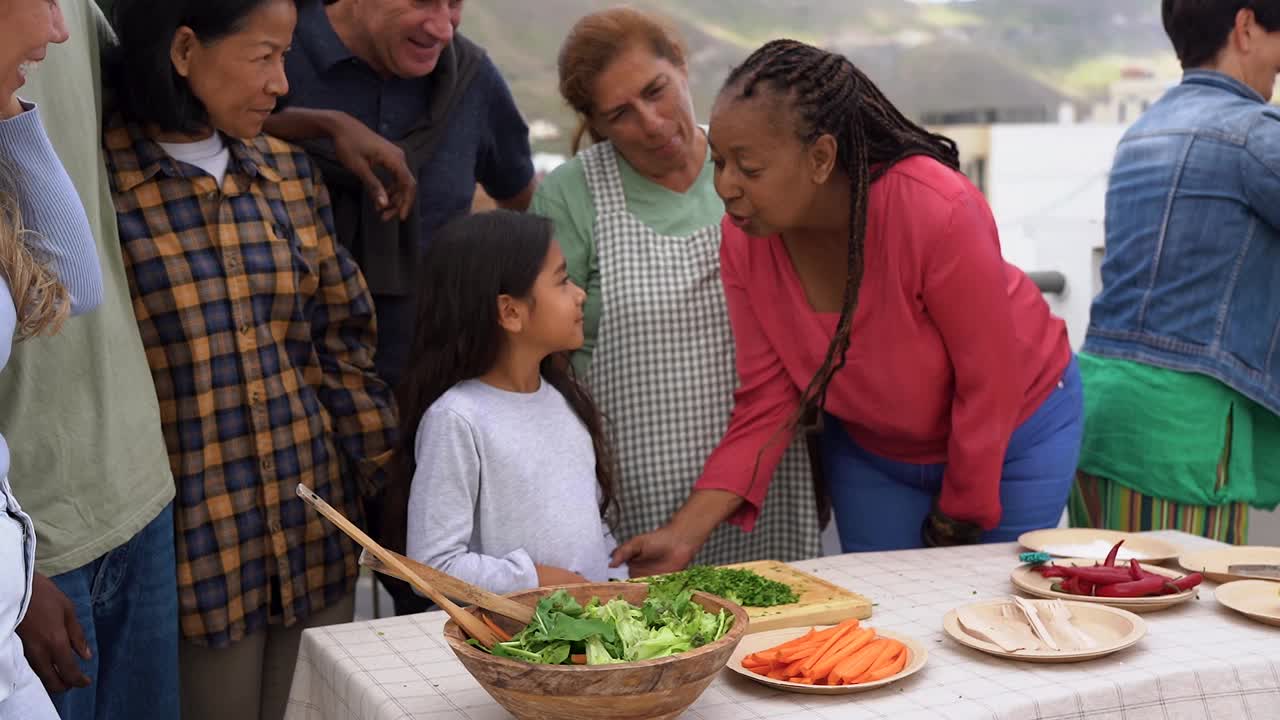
x: 659, y: 688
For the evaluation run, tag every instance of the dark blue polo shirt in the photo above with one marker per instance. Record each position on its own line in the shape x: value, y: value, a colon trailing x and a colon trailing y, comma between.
x: 486, y: 141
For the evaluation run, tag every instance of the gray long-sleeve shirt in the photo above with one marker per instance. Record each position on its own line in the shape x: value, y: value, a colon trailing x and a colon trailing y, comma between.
x: 59, y: 231
x: 505, y: 481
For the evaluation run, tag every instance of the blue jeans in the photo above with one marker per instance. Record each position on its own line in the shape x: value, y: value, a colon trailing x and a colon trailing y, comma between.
x: 881, y: 504
x: 127, y: 603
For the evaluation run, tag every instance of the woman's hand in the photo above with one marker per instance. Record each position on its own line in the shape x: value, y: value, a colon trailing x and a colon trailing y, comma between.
x: 365, y: 152
x: 662, y: 551
x: 672, y: 546
x: 942, y: 530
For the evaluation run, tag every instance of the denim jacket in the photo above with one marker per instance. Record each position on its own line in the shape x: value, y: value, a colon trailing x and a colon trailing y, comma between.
x: 1191, y: 278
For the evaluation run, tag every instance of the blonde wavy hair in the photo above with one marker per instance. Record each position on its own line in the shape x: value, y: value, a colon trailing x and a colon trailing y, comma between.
x: 41, y: 301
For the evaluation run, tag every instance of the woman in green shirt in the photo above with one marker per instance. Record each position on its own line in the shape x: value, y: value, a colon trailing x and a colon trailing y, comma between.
x: 638, y: 219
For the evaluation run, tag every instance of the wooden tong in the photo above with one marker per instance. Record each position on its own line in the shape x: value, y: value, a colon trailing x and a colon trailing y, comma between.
x: 463, y: 592
x: 469, y: 623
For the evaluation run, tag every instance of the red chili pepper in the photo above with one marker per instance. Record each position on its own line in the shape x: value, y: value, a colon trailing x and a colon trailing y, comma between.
x: 1100, y: 575
x: 1134, y: 588
x: 1052, y: 571
x: 1111, y: 556
x: 1076, y: 585
x: 1135, y: 569
x: 1186, y: 582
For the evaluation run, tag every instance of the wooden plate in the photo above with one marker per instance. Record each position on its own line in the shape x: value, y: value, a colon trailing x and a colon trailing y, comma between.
x: 1257, y: 599
x: 766, y: 640
x: 1077, y: 542
x: 1214, y: 563
x: 1026, y: 579
x: 1113, y: 628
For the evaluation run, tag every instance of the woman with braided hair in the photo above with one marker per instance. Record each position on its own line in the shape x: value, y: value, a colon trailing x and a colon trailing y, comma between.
x: 866, y: 288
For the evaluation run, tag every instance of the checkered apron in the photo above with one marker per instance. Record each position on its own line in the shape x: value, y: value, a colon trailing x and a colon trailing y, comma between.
x: 663, y: 374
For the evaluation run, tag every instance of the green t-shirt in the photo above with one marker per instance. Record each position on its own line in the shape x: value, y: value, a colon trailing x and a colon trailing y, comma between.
x: 564, y: 198
x: 1162, y: 432
x: 79, y: 410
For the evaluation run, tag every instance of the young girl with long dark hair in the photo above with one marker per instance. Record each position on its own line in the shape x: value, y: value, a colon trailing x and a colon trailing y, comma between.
x: 511, y: 475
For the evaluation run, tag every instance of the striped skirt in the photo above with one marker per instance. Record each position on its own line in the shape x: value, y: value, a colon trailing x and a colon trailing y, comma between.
x: 1100, y: 503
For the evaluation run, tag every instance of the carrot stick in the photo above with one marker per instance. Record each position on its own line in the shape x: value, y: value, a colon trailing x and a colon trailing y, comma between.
x: 858, y: 663
x: 887, y: 651
x: 777, y: 675
x: 855, y: 642
x: 883, y: 661
x: 820, y: 635
x: 892, y: 669
x: 803, y: 640
x: 888, y: 656
x: 845, y: 628
x: 503, y: 635
x: 801, y: 679
x: 802, y: 652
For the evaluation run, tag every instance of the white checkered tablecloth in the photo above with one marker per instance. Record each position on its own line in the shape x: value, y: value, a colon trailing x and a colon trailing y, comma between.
x: 1198, y: 660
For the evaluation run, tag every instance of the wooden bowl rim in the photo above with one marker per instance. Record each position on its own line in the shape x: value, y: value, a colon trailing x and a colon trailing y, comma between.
x: 740, y: 621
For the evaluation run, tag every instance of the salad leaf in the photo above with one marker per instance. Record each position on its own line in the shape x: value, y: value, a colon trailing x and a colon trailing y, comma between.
x: 598, y: 654
x: 564, y: 627
x: 661, y: 644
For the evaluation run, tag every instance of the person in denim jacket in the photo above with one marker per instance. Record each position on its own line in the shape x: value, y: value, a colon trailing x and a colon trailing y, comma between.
x: 1182, y: 360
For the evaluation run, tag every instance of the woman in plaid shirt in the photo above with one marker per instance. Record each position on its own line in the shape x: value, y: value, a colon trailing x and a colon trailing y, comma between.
x: 260, y: 334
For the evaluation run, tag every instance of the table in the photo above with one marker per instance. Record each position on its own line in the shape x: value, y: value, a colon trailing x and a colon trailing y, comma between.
x: 1198, y: 660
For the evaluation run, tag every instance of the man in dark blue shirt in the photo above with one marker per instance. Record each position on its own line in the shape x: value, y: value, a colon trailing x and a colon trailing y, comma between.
x: 398, y: 68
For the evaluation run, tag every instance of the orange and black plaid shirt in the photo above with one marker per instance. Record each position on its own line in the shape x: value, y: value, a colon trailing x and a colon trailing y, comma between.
x: 260, y: 335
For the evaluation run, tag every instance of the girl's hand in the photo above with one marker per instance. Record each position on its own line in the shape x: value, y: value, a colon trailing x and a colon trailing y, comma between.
x: 662, y: 551
x: 550, y: 575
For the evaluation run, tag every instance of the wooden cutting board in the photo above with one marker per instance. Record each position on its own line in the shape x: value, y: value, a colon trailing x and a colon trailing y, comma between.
x: 821, y: 602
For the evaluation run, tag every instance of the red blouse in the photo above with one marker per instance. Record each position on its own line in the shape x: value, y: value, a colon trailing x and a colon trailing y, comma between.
x: 952, y: 347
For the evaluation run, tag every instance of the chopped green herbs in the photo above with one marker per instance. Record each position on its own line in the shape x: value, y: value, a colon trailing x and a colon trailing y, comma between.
x: 735, y: 584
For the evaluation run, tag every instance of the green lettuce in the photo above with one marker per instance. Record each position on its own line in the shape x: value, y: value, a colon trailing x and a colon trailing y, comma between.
x: 614, y: 632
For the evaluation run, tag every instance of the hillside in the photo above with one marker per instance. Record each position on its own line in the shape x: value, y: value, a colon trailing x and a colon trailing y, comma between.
x: 927, y: 57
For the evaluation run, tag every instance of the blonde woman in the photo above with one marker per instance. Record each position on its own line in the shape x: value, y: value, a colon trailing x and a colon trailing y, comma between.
x: 58, y: 244
x: 32, y: 302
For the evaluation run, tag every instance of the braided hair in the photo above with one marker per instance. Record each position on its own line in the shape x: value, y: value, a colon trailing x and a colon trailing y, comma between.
x: 827, y: 95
